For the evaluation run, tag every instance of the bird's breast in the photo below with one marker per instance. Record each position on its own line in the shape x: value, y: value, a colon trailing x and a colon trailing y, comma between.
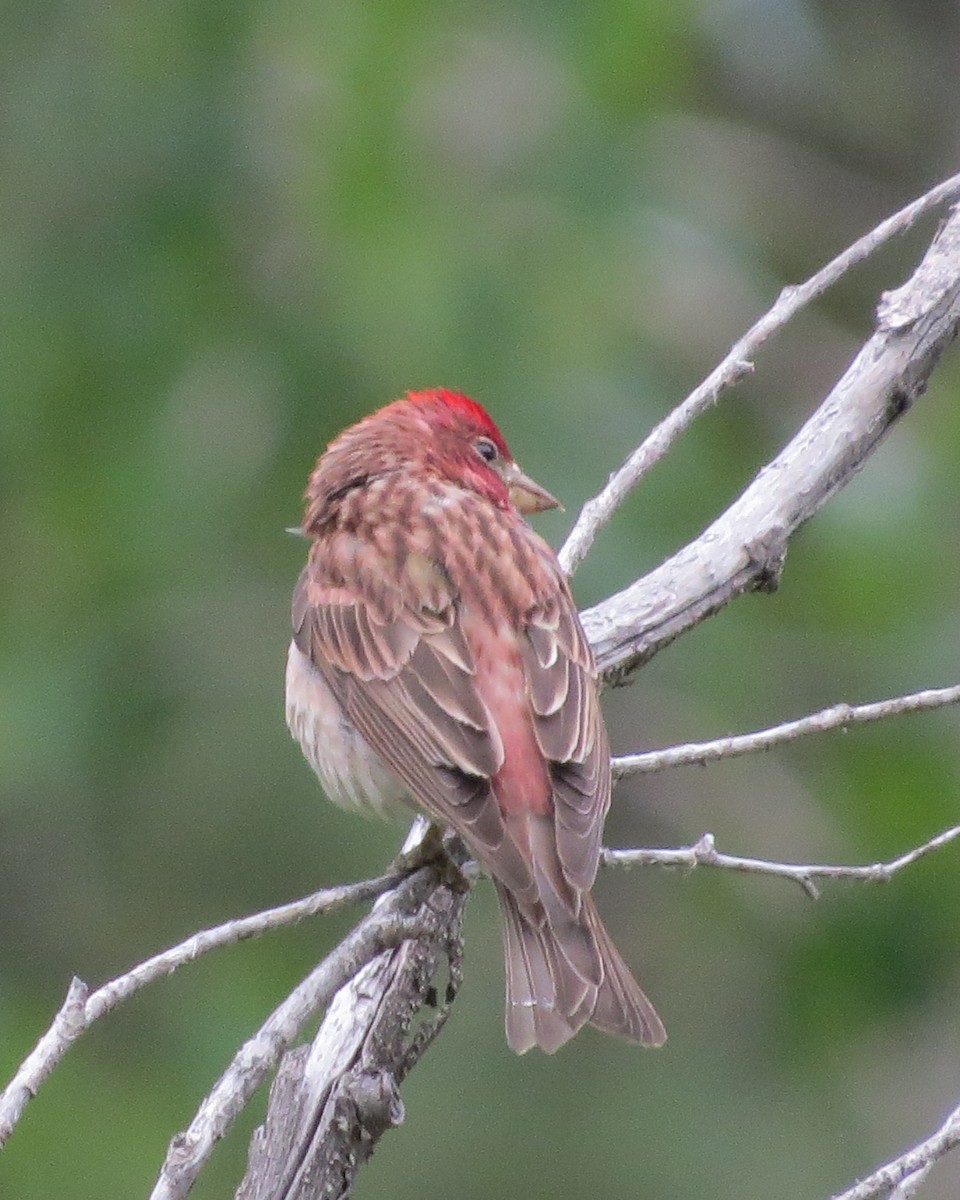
x: 352, y: 774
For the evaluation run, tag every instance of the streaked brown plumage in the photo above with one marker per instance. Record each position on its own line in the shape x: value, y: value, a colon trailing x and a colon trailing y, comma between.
x: 437, y: 658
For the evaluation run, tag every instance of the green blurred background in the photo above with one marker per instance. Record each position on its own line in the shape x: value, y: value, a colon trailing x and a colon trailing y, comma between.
x: 228, y: 229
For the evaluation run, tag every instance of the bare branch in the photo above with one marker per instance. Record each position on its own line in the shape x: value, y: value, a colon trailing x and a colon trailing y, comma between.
x: 67, y: 1026
x: 705, y: 854
x: 332, y: 1103
x: 838, y: 716
x: 745, y: 547
x: 81, y: 1007
x: 909, y: 1170
x: 910, y: 1186
x: 259, y: 1056
x: 598, y: 510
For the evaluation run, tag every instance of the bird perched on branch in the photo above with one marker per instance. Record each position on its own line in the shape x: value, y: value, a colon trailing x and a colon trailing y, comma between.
x: 437, y: 659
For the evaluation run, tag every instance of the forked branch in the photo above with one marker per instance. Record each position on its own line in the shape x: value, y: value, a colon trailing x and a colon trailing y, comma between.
x: 330, y: 1105
x: 744, y: 549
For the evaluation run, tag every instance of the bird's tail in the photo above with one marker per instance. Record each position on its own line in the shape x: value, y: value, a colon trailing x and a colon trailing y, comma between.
x: 559, y: 979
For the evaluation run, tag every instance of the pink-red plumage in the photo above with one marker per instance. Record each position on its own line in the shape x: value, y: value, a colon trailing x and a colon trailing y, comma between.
x: 437, y: 657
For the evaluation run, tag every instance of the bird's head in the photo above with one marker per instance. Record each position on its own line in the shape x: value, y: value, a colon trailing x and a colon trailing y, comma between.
x: 435, y: 434
x: 464, y: 439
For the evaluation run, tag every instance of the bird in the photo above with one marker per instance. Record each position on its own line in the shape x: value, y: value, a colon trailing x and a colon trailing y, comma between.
x: 438, y: 662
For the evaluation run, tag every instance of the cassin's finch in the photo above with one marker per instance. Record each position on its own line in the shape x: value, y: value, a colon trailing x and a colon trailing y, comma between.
x: 437, y: 659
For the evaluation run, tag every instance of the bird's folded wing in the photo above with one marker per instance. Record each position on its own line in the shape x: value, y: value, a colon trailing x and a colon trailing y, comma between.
x: 404, y: 675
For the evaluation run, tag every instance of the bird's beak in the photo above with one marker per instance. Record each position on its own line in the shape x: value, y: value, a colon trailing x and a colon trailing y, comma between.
x: 527, y: 496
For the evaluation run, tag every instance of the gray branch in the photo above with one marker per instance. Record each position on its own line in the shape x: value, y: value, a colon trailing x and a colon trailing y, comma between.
x: 900, y: 1178
x: 704, y: 853
x: 404, y: 922
x: 744, y: 549
x: 331, y: 1103
x: 737, y: 364
x: 837, y: 716
x: 82, y: 1007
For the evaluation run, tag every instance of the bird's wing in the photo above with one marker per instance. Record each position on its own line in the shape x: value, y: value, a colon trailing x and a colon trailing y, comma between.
x: 402, y: 672
x: 561, y: 678
x: 402, y: 663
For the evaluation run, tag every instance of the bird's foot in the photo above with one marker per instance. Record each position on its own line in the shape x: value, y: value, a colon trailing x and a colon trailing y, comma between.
x: 429, y: 851
x: 438, y: 848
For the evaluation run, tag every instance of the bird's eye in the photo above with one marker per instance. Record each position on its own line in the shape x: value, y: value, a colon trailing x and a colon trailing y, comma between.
x: 486, y: 449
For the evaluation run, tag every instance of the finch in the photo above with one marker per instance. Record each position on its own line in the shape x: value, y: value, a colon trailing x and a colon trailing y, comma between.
x: 437, y: 660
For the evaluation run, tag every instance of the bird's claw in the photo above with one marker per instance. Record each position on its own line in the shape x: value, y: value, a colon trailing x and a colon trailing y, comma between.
x: 440, y: 849
x: 429, y: 851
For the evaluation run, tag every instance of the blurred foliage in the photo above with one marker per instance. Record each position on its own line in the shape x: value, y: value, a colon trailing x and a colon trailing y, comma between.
x: 230, y: 229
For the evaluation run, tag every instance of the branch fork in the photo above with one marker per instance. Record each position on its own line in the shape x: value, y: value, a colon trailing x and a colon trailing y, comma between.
x: 331, y: 1101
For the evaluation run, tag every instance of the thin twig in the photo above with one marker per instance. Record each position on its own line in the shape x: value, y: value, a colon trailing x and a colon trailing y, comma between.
x: 67, y: 1026
x: 900, y: 1172
x: 705, y: 854
x: 838, y: 716
x: 737, y: 363
x: 81, y: 1007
